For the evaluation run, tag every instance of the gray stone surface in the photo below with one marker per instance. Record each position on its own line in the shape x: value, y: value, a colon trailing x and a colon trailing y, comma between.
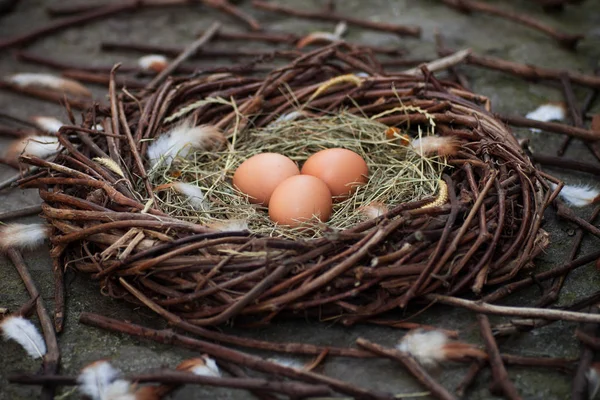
x: 176, y: 26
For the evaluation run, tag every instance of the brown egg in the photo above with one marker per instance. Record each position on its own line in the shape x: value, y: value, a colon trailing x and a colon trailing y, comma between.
x: 259, y: 175
x: 299, y: 199
x: 341, y: 169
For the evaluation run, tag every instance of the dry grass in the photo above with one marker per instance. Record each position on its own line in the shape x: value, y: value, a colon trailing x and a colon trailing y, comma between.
x: 397, y: 173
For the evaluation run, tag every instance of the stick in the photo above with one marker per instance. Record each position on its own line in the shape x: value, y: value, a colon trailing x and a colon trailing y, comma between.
x: 580, y: 382
x: 411, y: 365
x: 530, y: 72
x: 560, y: 162
x: 440, y: 64
x: 23, y: 212
x: 187, y: 53
x: 567, y: 40
x: 65, y: 23
x: 226, y: 7
x: 52, y: 357
x: 555, y: 127
x: 498, y: 370
x: 293, y: 389
x: 401, y: 30
x: 220, y: 352
x: 485, y: 308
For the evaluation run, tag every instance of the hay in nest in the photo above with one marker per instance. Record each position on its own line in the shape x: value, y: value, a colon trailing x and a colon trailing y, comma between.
x: 398, y: 173
x: 482, y: 233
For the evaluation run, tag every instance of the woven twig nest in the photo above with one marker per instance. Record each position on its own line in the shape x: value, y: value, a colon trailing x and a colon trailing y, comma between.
x: 107, y: 220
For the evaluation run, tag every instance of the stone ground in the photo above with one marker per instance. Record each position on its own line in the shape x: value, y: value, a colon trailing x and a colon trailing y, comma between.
x: 488, y: 35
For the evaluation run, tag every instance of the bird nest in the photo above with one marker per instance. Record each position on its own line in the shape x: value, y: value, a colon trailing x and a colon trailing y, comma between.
x: 447, y: 222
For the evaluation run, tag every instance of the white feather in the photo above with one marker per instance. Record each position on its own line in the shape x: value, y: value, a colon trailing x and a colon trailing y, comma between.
x: 287, y: 362
x: 22, y: 236
x: 208, y: 368
x: 48, y: 124
x: 440, y: 145
x: 95, y: 379
x: 547, y: 112
x: 119, y: 390
x: 291, y: 116
x: 26, y: 334
x: 40, y: 146
x: 181, y: 140
x: 579, y: 195
x: 153, y: 62
x: 427, y: 347
x: 374, y: 210
x: 593, y: 382
x: 230, y: 225
x: 50, y: 82
x: 194, y: 194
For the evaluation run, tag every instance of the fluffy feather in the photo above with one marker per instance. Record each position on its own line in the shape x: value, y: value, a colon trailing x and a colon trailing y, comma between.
x: 547, y: 112
x: 22, y: 236
x: 579, y: 195
x: 49, y: 81
x: 194, y: 194
x: 47, y: 124
x: 287, y: 362
x: 110, y: 164
x: 443, y: 146
x: 119, y: 390
x: 95, y: 379
x: 593, y: 381
x: 427, y: 347
x: 182, y: 139
x: 203, y: 366
x: 230, y: 225
x: 25, y: 333
x: 40, y: 146
x: 317, y: 37
x: 153, y: 62
x: 374, y: 210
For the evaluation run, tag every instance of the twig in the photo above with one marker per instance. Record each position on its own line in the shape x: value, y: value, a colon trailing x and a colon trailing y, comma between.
x: 560, y: 162
x: 226, y: 7
x: 65, y: 23
x: 474, y: 370
x: 486, y: 308
x: 567, y: 40
x: 580, y: 382
x: 293, y: 389
x: 23, y: 212
x: 185, y: 54
x: 411, y: 365
x: 234, y: 356
x: 52, y: 357
x: 401, y: 30
x: 530, y: 72
x: 441, y: 64
x: 499, y: 373
x: 555, y: 127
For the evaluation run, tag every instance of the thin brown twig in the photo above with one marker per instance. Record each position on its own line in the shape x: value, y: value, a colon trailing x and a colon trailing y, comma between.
x: 52, y: 357
x: 401, y: 30
x: 485, y: 308
x: 188, y: 52
x: 22, y: 212
x: 501, y: 380
x: 220, y: 352
x: 567, y: 40
x: 416, y: 370
x: 65, y: 23
x: 169, y: 377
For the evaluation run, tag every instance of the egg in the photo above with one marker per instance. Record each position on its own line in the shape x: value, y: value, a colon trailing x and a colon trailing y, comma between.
x: 259, y: 175
x: 341, y: 169
x: 300, y: 199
